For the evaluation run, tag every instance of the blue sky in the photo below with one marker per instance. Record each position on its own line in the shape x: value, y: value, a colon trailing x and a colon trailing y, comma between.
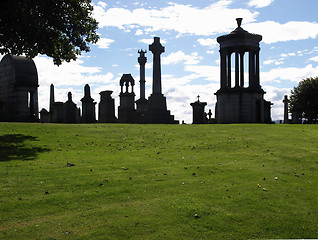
x: 190, y: 64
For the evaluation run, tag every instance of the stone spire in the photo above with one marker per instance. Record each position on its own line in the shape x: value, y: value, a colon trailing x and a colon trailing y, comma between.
x: 51, y: 97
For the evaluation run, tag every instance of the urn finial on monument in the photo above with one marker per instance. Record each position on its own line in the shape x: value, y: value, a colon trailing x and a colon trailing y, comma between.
x: 239, y: 22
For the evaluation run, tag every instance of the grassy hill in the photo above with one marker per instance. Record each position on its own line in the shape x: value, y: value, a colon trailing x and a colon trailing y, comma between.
x: 117, y: 181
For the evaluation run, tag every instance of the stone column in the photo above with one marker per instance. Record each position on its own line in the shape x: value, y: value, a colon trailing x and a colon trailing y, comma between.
x: 229, y: 69
x: 142, y: 61
x: 237, y: 70
x: 251, y: 68
x: 156, y: 48
x: 257, y: 82
x: 223, y: 69
x: 242, y: 68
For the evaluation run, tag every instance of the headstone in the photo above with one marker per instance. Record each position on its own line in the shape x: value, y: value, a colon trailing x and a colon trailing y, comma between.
x: 88, y: 106
x: 106, y: 108
x: 44, y: 116
x: 286, y: 101
x: 58, y: 112
x: 199, y: 116
x: 70, y: 110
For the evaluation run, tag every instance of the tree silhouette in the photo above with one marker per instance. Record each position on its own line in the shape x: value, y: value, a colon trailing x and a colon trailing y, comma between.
x: 304, y: 99
x: 60, y: 29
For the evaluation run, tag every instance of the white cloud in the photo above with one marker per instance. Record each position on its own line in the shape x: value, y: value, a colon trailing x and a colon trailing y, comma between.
x: 260, y: 3
x: 273, y: 32
x: 293, y: 74
x: 203, y: 21
x: 102, y: 4
x: 209, y: 42
x: 180, y: 56
x: 315, y: 59
x: 104, y: 42
x: 269, y: 61
x: 149, y: 41
x: 139, y: 32
x: 208, y: 73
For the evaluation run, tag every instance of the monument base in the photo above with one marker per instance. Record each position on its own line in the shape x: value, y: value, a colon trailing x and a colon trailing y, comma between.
x: 157, y: 112
x: 240, y: 106
x: 126, y: 115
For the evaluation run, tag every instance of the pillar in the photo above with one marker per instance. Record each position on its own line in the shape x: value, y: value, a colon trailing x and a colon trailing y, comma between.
x: 251, y: 68
x: 142, y: 61
x: 257, y: 82
x: 242, y: 68
x: 229, y: 69
x: 223, y: 69
x: 237, y: 70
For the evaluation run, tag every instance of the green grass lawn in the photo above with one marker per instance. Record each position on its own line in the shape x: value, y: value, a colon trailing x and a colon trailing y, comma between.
x: 117, y: 181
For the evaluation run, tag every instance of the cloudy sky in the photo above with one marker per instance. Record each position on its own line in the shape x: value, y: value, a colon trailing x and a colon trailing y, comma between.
x: 190, y: 65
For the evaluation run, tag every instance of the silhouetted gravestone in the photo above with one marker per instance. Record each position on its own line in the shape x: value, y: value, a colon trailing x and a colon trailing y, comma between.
x: 88, y: 106
x: 126, y: 109
x: 142, y: 101
x: 237, y: 103
x: 52, y: 100
x: 71, y: 112
x: 198, y: 116
x: 58, y: 112
x: 18, y: 89
x: 106, y: 108
x: 286, y: 101
x: 44, y: 116
x: 157, y: 107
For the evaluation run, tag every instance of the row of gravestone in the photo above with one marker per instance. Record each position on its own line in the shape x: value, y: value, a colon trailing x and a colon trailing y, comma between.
x: 68, y: 112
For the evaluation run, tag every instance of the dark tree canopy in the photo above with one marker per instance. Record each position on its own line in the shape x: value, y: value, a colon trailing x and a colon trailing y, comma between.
x: 304, y: 99
x: 60, y: 29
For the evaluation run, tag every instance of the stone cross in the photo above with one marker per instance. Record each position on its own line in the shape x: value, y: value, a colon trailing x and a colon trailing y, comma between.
x: 156, y: 48
x: 210, y: 114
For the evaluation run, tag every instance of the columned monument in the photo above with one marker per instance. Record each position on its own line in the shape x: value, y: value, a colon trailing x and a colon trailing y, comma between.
x: 126, y: 109
x: 157, y: 107
x: 237, y: 101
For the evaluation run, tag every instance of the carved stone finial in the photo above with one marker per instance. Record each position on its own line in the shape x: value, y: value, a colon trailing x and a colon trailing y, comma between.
x: 69, y: 95
x: 239, y: 22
